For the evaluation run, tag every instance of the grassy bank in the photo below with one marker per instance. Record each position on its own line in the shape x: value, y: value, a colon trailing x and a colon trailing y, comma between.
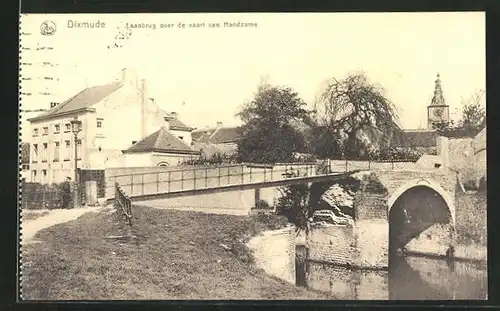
x: 175, y: 255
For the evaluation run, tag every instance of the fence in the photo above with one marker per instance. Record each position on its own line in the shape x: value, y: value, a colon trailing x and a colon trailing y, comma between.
x: 148, y: 183
x: 123, y: 202
x: 208, y: 177
x: 37, y: 196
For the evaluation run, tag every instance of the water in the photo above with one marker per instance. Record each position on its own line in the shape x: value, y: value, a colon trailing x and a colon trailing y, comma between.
x: 410, y: 278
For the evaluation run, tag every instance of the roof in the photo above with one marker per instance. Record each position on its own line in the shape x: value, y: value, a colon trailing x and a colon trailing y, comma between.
x: 225, y: 135
x: 217, y: 135
x: 176, y: 124
x: 416, y: 138
x: 161, y: 141
x: 81, y: 101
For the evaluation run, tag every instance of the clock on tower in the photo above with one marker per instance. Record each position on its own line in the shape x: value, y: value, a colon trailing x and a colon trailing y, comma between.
x: 437, y: 111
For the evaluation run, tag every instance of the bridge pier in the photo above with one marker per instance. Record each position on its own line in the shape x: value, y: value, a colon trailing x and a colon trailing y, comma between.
x: 256, y: 196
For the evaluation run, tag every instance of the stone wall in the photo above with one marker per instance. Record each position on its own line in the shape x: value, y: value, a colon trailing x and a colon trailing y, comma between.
x: 364, y: 245
x: 370, y: 206
x: 274, y: 252
x: 471, y: 225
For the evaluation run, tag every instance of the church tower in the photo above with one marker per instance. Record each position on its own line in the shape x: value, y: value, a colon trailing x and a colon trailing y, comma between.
x: 437, y: 111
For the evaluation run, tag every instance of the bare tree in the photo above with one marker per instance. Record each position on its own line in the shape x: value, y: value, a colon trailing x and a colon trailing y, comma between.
x: 356, y: 114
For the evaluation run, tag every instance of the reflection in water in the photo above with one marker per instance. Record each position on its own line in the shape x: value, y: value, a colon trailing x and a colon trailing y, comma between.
x: 410, y: 278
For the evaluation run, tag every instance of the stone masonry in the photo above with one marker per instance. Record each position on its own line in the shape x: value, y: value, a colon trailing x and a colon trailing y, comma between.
x: 365, y: 243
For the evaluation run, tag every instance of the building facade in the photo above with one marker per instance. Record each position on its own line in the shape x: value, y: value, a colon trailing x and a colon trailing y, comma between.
x: 114, y: 116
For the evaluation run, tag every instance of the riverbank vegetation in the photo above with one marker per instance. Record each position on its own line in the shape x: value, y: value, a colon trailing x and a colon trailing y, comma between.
x: 174, y: 255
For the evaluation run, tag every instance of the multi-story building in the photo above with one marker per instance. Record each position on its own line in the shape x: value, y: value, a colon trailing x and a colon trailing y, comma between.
x: 114, y: 116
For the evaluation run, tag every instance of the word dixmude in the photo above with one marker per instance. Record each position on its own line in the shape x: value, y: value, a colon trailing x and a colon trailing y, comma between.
x: 183, y: 25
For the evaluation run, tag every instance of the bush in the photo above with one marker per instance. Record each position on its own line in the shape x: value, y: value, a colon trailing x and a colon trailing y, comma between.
x: 263, y: 205
x: 293, y: 204
x: 372, y: 184
x: 216, y: 158
x: 396, y: 155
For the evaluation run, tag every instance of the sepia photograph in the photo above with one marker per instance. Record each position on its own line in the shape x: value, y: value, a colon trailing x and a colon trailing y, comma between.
x: 252, y: 156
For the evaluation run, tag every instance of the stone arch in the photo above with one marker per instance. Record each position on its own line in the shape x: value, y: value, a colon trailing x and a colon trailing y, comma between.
x: 419, y: 182
x: 162, y: 164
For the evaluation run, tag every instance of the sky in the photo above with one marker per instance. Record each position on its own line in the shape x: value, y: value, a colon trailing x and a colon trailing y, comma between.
x: 205, y: 74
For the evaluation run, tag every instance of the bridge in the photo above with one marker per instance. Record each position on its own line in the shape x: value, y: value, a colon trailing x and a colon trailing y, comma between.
x: 416, y: 211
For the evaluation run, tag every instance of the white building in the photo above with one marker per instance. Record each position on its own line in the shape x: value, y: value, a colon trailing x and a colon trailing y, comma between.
x: 114, y: 116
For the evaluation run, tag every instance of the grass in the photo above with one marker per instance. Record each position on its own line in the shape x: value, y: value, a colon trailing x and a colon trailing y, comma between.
x: 175, y: 255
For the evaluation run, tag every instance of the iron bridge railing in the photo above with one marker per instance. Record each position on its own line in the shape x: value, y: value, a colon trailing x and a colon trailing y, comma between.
x: 123, y: 202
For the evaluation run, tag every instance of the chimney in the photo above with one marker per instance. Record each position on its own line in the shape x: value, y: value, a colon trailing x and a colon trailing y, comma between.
x: 129, y: 77
x: 166, y: 123
x: 219, y: 124
x: 144, y: 103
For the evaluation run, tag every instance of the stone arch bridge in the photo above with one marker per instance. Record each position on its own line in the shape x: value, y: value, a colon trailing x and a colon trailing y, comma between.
x: 416, y: 213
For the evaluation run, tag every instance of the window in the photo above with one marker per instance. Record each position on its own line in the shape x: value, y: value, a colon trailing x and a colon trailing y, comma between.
x: 44, y: 152
x: 33, y: 176
x: 99, y: 123
x: 67, y: 151
x: 44, y: 176
x: 35, y: 132
x: 35, y: 153
x: 181, y: 137
x: 79, y: 149
x: 56, y: 151
x: 57, y: 128
x: 68, y: 127
x: 45, y: 131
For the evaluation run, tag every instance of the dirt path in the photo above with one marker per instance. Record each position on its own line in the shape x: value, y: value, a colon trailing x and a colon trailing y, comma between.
x: 53, y: 217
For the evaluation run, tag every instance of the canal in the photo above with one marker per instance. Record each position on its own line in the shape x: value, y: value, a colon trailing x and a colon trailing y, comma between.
x: 408, y: 278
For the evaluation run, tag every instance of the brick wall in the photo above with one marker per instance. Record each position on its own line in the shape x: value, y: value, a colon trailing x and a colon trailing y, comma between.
x: 370, y: 206
x: 335, y: 245
x: 363, y: 245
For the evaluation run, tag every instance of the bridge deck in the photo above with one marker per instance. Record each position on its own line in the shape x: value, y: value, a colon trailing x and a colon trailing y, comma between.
x: 240, y: 186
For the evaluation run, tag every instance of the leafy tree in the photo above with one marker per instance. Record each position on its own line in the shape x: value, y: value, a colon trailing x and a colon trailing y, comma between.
x: 355, y: 116
x: 472, y: 119
x: 268, y: 134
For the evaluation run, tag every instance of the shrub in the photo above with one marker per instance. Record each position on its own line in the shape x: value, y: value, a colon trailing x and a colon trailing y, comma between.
x: 396, y: 155
x: 263, y: 205
x: 372, y: 184
x: 216, y: 158
x: 293, y: 204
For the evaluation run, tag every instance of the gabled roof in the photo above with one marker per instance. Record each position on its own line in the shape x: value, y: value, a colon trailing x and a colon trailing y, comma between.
x: 225, y: 135
x: 176, y: 124
x: 203, y: 134
x: 217, y: 135
x: 81, y: 101
x: 415, y: 138
x: 161, y: 141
